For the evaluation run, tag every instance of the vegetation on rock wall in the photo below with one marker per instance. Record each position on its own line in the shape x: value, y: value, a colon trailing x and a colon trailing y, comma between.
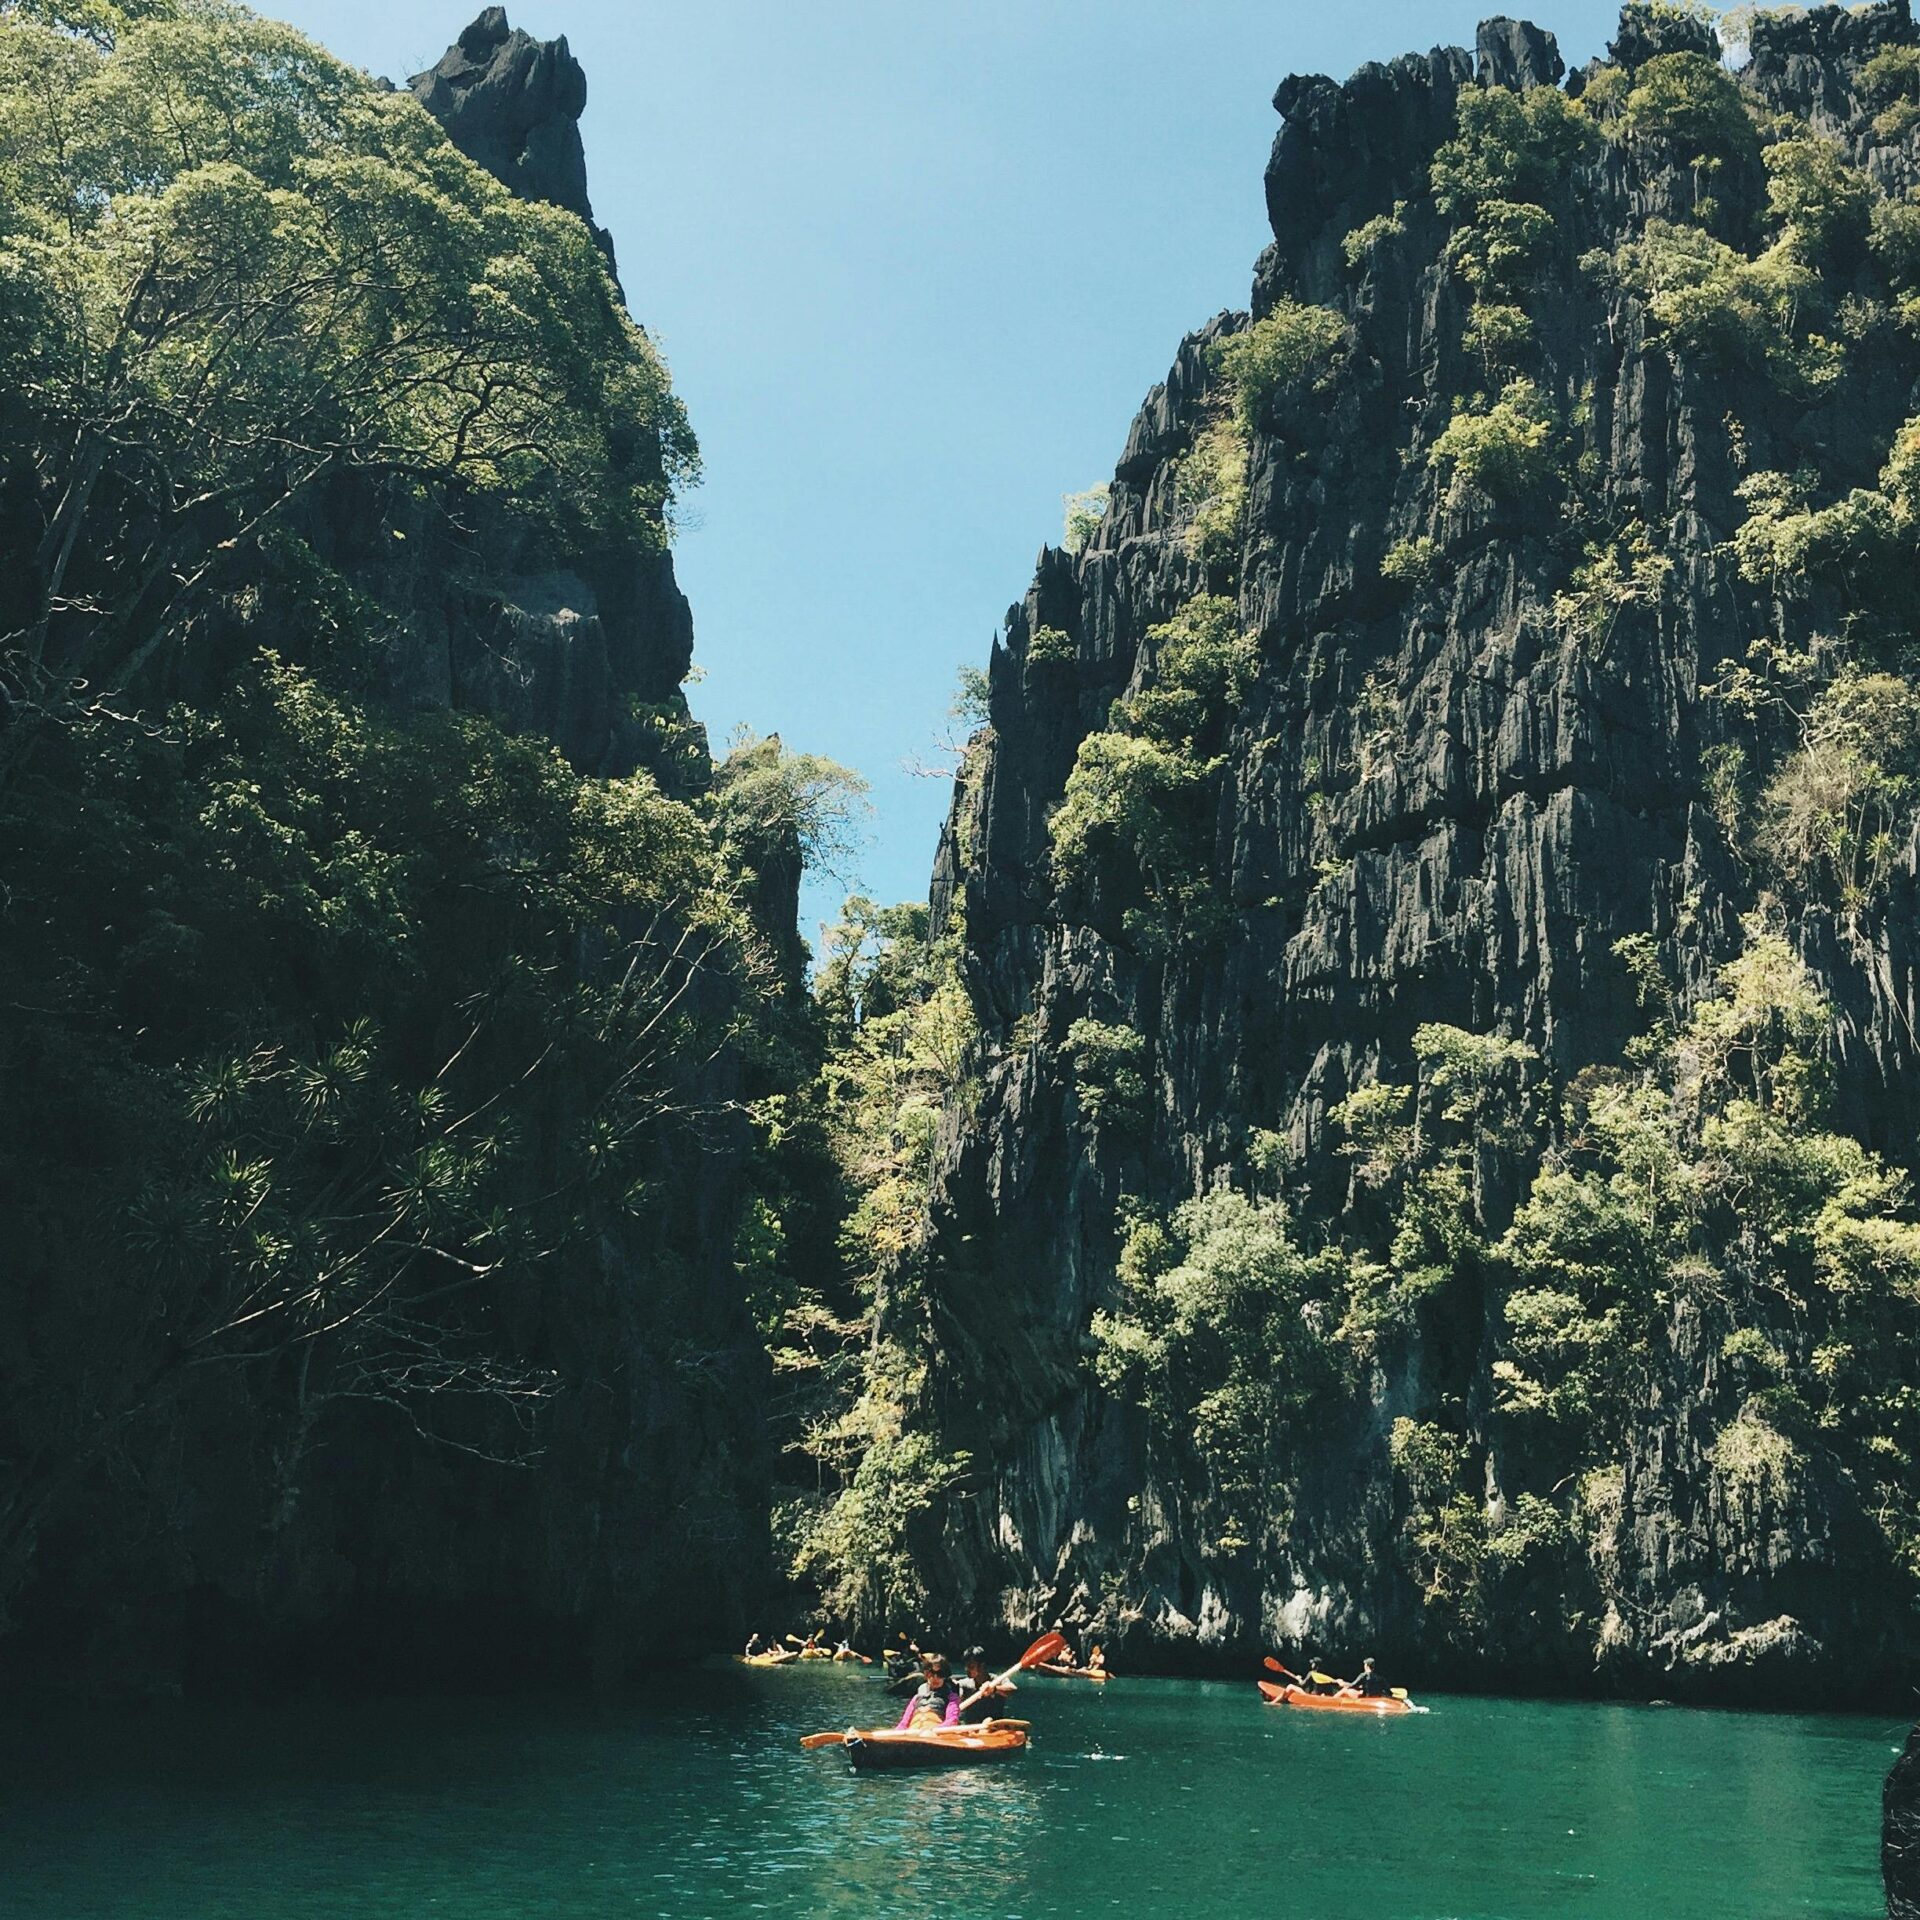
x: 377, y: 1088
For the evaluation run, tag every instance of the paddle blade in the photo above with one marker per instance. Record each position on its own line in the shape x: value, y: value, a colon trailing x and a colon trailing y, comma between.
x: 812, y: 1740
x: 1049, y: 1646
x: 1399, y: 1693
x: 1320, y: 1679
x: 794, y: 1640
x: 1273, y: 1666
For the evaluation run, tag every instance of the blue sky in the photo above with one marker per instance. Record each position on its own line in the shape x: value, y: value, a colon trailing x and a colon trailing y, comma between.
x: 914, y: 266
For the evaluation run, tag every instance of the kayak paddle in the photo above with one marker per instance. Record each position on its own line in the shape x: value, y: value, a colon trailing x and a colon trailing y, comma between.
x: 1049, y: 1646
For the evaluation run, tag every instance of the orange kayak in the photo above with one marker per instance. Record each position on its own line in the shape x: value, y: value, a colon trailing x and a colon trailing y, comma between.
x: 1076, y: 1673
x: 1379, y: 1705
x: 890, y: 1749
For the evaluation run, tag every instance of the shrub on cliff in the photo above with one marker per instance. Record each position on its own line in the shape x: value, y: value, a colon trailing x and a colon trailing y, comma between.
x: 1413, y: 563
x: 1894, y: 238
x: 1138, y: 789
x: 1130, y: 796
x: 1508, y: 147
x: 1706, y: 297
x: 1222, y: 1337
x: 1082, y: 514
x: 1784, y: 540
x: 1281, y: 356
x: 1365, y: 240
x: 1824, y: 204
x: 1108, y: 1074
x: 1689, y: 105
x: 1494, y: 253
x: 1506, y: 450
x: 1836, y: 816
x: 1210, y: 490
x: 1891, y: 80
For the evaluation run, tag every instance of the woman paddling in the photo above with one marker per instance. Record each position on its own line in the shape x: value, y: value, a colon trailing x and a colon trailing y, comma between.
x: 936, y: 1702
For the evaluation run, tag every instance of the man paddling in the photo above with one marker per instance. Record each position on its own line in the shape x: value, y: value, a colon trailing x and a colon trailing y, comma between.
x: 1366, y: 1685
x: 980, y: 1681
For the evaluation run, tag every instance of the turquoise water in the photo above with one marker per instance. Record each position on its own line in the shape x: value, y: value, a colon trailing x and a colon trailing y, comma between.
x: 1150, y: 1797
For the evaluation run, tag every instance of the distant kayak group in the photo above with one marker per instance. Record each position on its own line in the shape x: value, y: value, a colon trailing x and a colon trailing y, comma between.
x: 770, y: 1653
x: 948, y: 1722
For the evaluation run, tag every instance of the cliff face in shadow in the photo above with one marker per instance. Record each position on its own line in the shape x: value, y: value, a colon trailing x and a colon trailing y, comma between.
x: 511, y: 1426
x: 1454, y: 774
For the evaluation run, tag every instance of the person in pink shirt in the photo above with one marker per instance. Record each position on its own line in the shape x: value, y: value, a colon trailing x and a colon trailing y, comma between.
x: 937, y: 1701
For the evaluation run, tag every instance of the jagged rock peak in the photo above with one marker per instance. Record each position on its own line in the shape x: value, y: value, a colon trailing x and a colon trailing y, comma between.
x: 512, y: 104
x: 1827, y: 35
x: 1516, y: 54
x: 1645, y: 33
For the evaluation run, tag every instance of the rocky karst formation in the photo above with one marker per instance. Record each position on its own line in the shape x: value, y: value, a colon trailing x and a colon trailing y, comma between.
x: 1432, y: 802
x: 513, y: 103
x: 570, y: 644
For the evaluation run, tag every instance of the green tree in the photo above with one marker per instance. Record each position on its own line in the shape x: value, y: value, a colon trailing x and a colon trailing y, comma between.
x: 1221, y: 1337
x: 234, y: 271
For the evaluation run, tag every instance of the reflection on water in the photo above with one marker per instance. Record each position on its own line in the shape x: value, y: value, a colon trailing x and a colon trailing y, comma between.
x: 1151, y: 1797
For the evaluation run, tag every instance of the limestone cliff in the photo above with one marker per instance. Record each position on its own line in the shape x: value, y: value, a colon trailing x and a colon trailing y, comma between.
x: 1436, y: 799
x: 578, y: 645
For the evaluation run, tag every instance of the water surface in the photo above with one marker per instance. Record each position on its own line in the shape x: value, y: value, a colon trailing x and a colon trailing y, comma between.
x: 1148, y: 1797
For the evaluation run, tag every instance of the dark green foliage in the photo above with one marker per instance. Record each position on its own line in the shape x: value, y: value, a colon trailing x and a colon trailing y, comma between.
x: 1222, y: 1337
x: 1892, y: 80
x: 1140, y: 787
x: 1413, y: 563
x: 1494, y: 254
x: 304, y: 1081
x: 1507, y: 449
x: 1823, y: 203
x: 1708, y: 298
x: 236, y: 274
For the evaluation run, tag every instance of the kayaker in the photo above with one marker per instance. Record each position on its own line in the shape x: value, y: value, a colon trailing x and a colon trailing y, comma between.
x: 905, y: 1670
x: 753, y: 1646
x: 981, y: 1681
x: 1365, y: 1685
x: 936, y: 1702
